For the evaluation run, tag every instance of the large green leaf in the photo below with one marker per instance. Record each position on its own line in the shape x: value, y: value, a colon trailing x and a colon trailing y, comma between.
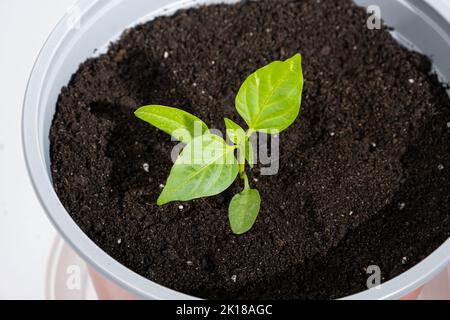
x: 206, y: 167
x: 180, y: 124
x: 243, y: 211
x: 270, y: 98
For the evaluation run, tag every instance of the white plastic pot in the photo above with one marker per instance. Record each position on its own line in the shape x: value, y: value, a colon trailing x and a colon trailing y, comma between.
x: 417, y: 24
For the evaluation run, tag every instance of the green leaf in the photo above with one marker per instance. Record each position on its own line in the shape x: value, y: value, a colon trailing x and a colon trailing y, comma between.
x: 270, y: 98
x: 234, y: 131
x: 238, y: 136
x: 206, y: 167
x: 243, y: 211
x: 180, y: 124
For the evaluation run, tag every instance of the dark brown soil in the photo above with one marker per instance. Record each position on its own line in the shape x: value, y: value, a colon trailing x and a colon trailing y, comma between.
x: 363, y: 174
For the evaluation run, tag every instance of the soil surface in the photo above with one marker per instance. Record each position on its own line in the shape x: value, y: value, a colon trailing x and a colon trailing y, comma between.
x: 364, y: 173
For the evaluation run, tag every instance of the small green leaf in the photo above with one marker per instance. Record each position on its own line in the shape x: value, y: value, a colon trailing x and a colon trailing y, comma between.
x: 180, y: 124
x: 234, y: 131
x: 206, y: 167
x: 238, y: 136
x: 270, y: 98
x: 243, y: 211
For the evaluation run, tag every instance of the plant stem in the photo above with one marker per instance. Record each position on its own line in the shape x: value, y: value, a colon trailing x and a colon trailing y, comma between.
x: 242, y: 172
x: 244, y: 177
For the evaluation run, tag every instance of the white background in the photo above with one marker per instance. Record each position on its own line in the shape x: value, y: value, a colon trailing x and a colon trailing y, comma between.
x: 25, y: 233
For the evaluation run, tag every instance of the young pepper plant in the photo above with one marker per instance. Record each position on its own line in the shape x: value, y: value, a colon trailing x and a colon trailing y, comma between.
x: 268, y: 101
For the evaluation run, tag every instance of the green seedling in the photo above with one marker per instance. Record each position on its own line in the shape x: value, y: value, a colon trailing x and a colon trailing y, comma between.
x: 268, y: 101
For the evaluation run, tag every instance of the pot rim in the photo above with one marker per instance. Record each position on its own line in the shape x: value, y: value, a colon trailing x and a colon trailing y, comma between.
x: 93, y: 254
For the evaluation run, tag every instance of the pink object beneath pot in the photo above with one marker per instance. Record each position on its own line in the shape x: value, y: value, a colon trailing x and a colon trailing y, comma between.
x: 106, y: 290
